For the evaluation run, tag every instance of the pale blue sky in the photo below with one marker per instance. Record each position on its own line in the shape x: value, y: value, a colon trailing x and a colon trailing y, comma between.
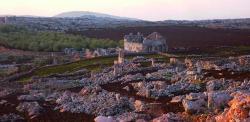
x: 142, y: 9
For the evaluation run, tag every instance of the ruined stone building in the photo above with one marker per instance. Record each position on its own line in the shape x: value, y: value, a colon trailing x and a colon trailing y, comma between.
x: 154, y: 42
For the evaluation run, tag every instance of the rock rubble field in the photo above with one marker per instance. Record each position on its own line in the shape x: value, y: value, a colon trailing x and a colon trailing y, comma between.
x: 195, y: 89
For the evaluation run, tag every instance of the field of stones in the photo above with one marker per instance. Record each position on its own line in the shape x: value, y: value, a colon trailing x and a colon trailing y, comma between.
x: 138, y: 88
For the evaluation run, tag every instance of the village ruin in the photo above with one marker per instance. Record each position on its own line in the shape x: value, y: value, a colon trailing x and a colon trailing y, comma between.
x: 154, y: 42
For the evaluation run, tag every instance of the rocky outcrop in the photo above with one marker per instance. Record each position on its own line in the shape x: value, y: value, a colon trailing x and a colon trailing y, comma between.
x: 3, y: 102
x: 33, y: 108
x: 132, y: 117
x: 213, y: 85
x: 139, y: 105
x: 104, y: 119
x: 195, y: 103
x: 35, y: 97
x: 176, y: 88
x: 177, y: 99
x: 11, y: 118
x: 239, y: 109
x: 102, y: 103
x: 218, y: 100
x: 6, y: 92
x: 169, y: 117
x: 52, y: 97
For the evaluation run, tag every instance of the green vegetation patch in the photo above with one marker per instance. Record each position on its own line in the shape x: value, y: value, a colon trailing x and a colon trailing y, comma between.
x: 21, y: 38
x: 94, y: 65
x: 87, y: 63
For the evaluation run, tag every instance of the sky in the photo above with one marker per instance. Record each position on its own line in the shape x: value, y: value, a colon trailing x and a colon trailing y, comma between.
x: 154, y: 10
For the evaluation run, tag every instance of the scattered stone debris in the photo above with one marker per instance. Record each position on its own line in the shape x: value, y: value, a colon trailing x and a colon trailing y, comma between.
x: 6, y: 92
x: 102, y: 103
x: 11, y: 118
x: 169, y: 117
x: 238, y: 110
x: 3, y: 102
x: 201, y: 89
x: 194, y: 103
x: 104, y: 119
x: 32, y: 108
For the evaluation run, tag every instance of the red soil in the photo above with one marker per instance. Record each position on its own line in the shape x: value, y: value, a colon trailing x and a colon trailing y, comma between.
x: 179, y: 36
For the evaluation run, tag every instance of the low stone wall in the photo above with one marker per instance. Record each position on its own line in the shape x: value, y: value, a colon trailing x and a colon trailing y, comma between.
x: 18, y: 76
x: 28, y: 73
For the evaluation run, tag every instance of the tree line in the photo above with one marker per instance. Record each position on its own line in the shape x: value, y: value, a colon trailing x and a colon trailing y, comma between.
x: 21, y: 38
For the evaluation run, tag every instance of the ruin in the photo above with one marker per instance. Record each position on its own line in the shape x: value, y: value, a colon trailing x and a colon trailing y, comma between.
x: 152, y: 62
x: 120, y: 57
x: 154, y: 42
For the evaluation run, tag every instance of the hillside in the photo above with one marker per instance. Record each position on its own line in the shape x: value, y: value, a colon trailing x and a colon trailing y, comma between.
x: 75, y: 14
x: 179, y: 36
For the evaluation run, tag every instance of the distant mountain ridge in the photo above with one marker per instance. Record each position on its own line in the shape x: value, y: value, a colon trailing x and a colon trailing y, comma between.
x: 76, y: 14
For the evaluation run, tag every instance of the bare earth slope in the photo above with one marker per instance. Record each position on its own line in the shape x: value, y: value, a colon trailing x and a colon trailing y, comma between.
x: 179, y: 36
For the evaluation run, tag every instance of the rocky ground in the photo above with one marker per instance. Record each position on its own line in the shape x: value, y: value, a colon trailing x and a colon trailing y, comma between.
x: 191, y: 90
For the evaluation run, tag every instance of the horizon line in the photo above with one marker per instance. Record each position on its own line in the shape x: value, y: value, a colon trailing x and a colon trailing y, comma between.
x: 53, y: 16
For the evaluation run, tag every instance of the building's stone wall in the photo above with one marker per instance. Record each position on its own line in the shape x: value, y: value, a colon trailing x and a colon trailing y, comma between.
x: 152, y: 43
x: 133, y: 47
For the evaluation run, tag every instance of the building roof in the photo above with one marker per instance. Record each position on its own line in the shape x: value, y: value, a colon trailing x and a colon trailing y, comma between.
x: 134, y: 38
x: 155, y: 36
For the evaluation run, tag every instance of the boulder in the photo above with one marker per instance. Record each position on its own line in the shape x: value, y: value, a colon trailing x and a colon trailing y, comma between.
x: 11, y: 118
x: 194, y: 102
x: 239, y: 109
x: 126, y: 88
x: 65, y: 97
x: 218, y: 100
x: 196, y: 96
x: 213, y: 85
x: 139, y: 105
x: 169, y: 117
x: 193, y: 107
x: 30, y: 98
x: 104, y: 119
x: 85, y: 91
x: 33, y: 108
x: 52, y: 97
x: 6, y: 92
x: 177, y: 99
x: 3, y: 102
x: 133, y: 117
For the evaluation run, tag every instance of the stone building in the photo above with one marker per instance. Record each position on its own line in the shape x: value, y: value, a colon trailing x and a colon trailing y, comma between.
x: 154, y: 42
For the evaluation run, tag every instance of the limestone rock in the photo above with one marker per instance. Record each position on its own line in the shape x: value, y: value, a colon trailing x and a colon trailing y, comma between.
x: 6, y: 92
x: 133, y: 116
x: 239, y: 109
x: 194, y: 102
x: 218, y: 100
x: 169, y: 117
x: 213, y: 85
x: 139, y: 105
x: 3, y: 102
x: 126, y: 88
x: 196, y: 96
x: 177, y: 99
x: 11, y: 118
x: 30, y: 98
x: 33, y: 108
x: 104, y: 119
